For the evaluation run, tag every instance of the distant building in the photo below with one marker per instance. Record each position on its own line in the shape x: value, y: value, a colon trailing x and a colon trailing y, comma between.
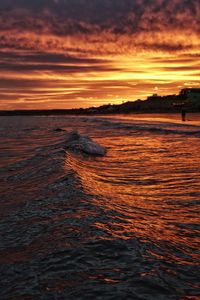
x: 191, y: 95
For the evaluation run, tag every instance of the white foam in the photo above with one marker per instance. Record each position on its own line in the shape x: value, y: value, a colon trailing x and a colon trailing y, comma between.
x: 82, y: 143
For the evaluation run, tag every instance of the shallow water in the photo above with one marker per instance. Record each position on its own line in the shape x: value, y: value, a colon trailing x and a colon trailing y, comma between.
x: 122, y: 226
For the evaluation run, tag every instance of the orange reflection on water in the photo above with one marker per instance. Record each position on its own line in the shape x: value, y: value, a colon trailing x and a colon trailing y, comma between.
x: 144, y: 191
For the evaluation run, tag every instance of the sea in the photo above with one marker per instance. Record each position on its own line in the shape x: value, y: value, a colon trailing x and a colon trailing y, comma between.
x: 78, y: 225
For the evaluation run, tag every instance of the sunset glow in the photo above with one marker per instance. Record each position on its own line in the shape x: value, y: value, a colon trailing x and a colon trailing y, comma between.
x: 71, y: 54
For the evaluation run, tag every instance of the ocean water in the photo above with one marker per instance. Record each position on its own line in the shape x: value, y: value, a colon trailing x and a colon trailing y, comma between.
x: 120, y: 226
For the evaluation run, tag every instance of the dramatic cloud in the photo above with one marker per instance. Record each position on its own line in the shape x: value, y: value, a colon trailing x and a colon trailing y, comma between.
x: 82, y: 52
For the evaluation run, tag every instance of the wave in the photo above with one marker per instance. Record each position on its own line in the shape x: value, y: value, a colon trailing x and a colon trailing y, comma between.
x: 153, y: 127
x: 82, y: 143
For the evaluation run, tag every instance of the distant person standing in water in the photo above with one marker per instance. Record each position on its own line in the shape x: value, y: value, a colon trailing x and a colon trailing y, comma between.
x: 183, y: 114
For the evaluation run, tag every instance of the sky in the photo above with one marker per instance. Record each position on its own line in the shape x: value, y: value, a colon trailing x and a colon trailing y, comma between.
x: 83, y: 53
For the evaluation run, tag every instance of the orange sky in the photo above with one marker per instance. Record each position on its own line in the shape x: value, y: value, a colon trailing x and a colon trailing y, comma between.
x: 81, y: 53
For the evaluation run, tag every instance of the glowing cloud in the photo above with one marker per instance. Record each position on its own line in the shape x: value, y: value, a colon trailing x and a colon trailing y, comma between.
x: 80, y: 53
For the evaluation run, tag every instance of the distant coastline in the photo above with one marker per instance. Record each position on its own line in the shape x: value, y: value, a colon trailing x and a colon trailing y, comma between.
x: 153, y: 104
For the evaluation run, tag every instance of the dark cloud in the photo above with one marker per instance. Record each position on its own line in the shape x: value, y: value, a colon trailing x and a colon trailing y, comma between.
x: 52, y: 62
x: 84, y: 16
x: 181, y: 69
x: 55, y: 68
x: 181, y: 59
x: 42, y: 57
x: 98, y: 27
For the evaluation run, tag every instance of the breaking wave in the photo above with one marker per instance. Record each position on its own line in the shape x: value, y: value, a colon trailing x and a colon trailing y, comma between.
x: 82, y: 143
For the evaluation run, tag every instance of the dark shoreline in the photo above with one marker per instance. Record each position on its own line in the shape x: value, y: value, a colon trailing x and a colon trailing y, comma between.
x: 77, y: 113
x: 153, y: 104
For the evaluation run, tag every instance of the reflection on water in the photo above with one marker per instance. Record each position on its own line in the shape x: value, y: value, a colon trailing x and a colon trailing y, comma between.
x: 122, y: 226
x: 148, y: 189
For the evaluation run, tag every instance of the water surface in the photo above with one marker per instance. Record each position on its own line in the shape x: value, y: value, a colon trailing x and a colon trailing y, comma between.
x: 122, y: 226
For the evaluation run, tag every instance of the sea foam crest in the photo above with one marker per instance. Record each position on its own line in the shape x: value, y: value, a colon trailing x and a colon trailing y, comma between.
x: 82, y: 143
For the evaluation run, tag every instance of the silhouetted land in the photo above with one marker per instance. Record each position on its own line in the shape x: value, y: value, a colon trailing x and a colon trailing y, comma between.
x: 153, y: 104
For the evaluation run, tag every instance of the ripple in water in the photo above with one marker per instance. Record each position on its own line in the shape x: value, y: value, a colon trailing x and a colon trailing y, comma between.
x: 121, y: 226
